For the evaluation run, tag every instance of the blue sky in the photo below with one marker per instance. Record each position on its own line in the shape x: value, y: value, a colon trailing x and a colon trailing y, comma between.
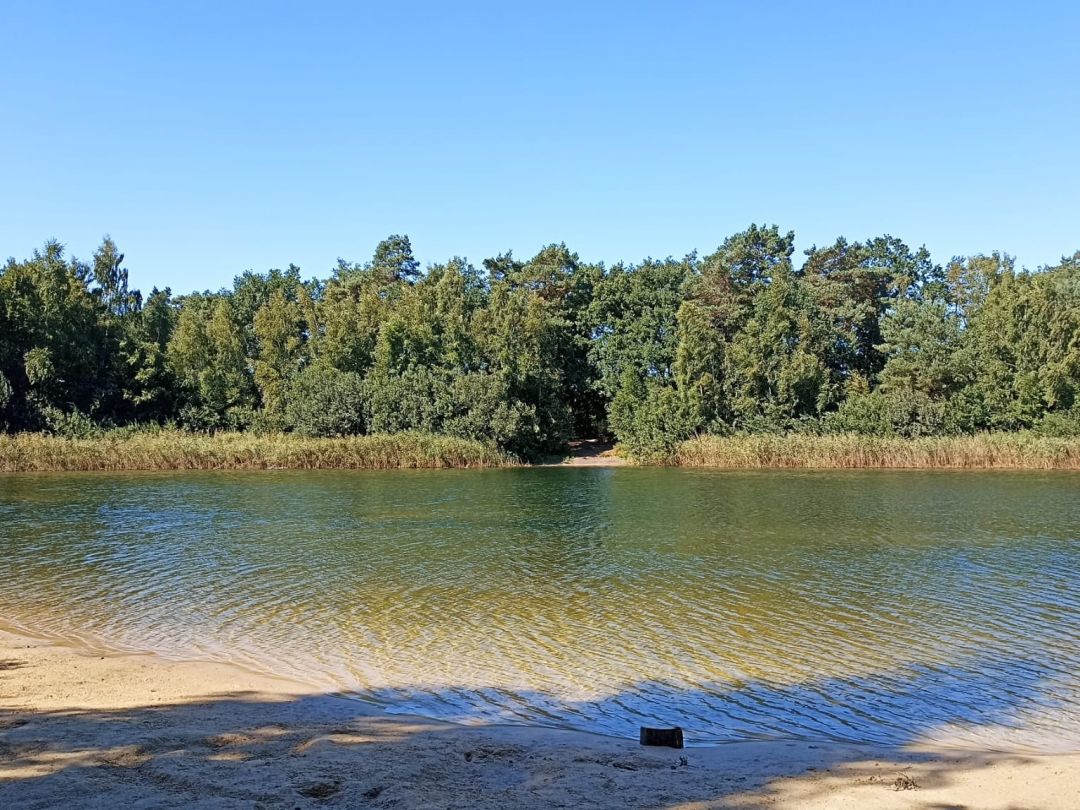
x: 210, y: 138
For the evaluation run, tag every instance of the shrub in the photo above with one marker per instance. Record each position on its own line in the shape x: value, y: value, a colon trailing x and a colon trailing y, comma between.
x: 409, y: 400
x: 205, y: 419
x: 480, y: 407
x: 471, y: 405
x: 323, y: 401
x: 74, y: 425
x: 1065, y: 424
x: 650, y: 420
x: 903, y: 413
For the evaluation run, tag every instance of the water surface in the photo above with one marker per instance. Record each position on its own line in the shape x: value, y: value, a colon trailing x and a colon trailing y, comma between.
x: 866, y: 606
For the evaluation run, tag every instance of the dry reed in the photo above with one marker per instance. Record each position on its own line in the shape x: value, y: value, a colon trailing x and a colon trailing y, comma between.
x: 982, y: 451
x: 179, y: 450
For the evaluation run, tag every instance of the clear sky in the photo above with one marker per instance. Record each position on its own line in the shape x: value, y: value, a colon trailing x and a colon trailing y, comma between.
x: 210, y: 138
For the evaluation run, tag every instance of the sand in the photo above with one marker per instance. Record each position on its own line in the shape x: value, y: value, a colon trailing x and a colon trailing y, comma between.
x: 84, y: 728
x: 590, y: 453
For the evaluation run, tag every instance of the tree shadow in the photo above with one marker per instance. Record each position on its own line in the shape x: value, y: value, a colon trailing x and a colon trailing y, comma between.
x: 252, y: 750
x: 895, y: 707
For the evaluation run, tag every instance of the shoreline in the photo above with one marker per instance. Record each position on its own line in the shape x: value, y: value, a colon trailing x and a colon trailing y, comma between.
x: 179, y: 450
x: 174, y: 450
x: 84, y: 727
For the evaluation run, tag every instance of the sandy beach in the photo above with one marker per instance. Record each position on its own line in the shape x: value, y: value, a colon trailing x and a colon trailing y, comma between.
x: 87, y: 728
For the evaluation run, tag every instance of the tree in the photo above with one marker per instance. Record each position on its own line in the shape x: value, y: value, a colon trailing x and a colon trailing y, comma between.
x: 6, y: 395
x: 1025, y: 346
x: 855, y: 291
x: 119, y: 309
x: 152, y: 388
x: 252, y: 291
x: 925, y: 371
x: 634, y: 312
x: 563, y: 286
x: 350, y: 312
x: 111, y: 278
x: 872, y: 337
x: 968, y: 281
x: 921, y: 340
x: 394, y: 261
x: 206, y: 353
x: 520, y: 341
x: 279, y: 332
x: 717, y: 305
x: 651, y: 418
x: 51, y: 337
x: 778, y: 372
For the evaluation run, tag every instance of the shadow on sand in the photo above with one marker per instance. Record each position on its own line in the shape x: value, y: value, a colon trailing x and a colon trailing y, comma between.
x: 257, y: 751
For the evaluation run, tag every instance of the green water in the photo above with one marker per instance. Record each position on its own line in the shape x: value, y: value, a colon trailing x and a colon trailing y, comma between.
x: 869, y: 606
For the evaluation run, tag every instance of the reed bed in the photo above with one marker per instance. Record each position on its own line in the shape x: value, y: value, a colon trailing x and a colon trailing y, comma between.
x: 1006, y: 451
x: 179, y: 450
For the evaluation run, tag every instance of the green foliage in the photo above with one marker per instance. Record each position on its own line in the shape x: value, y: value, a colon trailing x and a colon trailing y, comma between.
x: 560, y: 288
x: 521, y: 337
x: 1024, y: 341
x: 897, y: 413
x: 410, y: 400
x: 353, y: 305
x: 206, y: 354
x: 151, y: 387
x: 474, y: 405
x: 6, y: 395
x: 252, y: 291
x: 279, y: 332
x: 650, y: 418
x: 73, y: 425
x: 1060, y: 424
x: 778, y: 370
x: 853, y: 285
x: 112, y: 281
x: 922, y: 341
x: 394, y: 260
x: 480, y: 407
x: 323, y: 401
x: 869, y: 338
x: 712, y: 373
x: 634, y: 312
x: 52, y: 334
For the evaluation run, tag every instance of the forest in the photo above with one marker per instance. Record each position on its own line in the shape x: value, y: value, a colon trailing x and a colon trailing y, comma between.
x: 870, y: 338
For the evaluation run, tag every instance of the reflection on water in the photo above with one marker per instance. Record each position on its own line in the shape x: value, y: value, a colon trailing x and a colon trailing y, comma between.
x: 870, y: 606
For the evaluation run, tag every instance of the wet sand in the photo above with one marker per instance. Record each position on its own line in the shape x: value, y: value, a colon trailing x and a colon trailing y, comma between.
x: 86, y: 728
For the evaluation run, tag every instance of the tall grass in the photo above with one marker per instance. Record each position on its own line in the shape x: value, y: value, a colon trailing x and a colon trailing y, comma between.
x: 982, y: 451
x: 179, y: 450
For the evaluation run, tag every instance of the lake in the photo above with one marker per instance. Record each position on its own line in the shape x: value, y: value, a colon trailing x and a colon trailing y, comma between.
x: 871, y: 606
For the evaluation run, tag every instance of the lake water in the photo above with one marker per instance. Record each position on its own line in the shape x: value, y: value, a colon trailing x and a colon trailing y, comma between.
x: 864, y: 606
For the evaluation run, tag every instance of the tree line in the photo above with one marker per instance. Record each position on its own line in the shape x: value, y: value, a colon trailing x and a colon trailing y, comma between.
x: 862, y: 337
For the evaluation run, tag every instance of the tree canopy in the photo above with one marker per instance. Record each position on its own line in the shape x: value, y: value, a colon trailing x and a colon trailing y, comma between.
x: 868, y: 337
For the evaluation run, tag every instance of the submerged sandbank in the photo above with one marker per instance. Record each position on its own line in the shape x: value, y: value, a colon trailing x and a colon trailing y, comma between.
x: 83, y: 727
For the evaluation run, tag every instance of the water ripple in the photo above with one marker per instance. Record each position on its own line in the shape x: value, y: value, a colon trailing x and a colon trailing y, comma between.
x: 885, y: 607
